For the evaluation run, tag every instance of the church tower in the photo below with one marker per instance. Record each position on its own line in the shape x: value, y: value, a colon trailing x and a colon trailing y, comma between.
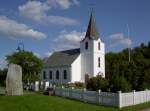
x: 92, y: 52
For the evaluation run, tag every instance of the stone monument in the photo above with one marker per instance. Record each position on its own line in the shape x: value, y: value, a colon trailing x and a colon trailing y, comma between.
x: 14, y: 80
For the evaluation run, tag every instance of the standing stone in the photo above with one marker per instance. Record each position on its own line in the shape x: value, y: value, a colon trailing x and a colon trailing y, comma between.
x: 14, y: 80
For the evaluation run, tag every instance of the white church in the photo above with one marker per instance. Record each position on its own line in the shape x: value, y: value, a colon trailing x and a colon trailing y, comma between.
x: 73, y: 65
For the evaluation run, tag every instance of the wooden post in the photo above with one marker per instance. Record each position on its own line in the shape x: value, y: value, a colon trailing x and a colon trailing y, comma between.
x: 62, y: 87
x: 120, y: 99
x: 84, y: 90
x: 146, y: 91
x: 133, y: 97
x: 71, y: 90
x: 98, y: 96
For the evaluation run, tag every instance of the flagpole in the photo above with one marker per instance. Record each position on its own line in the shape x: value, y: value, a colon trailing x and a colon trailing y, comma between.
x: 129, y: 53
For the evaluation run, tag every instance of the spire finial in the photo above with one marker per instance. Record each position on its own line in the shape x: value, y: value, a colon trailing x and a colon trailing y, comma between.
x: 92, y: 7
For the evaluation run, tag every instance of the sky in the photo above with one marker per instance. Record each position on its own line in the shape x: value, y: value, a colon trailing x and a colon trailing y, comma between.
x: 45, y: 26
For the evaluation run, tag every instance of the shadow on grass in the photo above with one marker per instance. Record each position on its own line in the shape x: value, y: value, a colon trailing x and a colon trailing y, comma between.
x: 84, y: 102
x: 2, y: 94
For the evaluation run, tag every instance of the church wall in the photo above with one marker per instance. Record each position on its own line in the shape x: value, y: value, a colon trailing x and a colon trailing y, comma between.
x: 89, y: 58
x: 76, y: 70
x: 86, y: 58
x: 61, y: 72
x: 99, y: 53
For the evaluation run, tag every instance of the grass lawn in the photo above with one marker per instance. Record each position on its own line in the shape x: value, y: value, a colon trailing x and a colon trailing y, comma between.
x: 38, y: 102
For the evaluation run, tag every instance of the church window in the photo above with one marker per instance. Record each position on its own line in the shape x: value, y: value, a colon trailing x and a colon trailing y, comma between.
x: 65, y: 74
x: 50, y: 75
x: 57, y: 75
x: 86, y: 45
x: 44, y: 75
x: 99, y: 46
x: 99, y: 62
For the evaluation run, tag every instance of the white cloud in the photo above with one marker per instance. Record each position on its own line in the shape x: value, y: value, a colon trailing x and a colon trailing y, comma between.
x: 68, y: 40
x: 38, y: 11
x: 3, y: 63
x: 59, y: 3
x: 76, y: 2
x: 13, y: 29
x: 37, y: 54
x: 34, y: 10
x: 64, y: 4
x: 119, y: 38
x: 61, y: 20
x: 47, y: 54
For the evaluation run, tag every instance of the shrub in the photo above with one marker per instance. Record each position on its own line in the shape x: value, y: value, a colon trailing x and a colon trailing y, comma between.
x: 96, y: 83
x: 3, y: 74
x: 119, y: 83
x: 79, y: 84
x: 75, y: 85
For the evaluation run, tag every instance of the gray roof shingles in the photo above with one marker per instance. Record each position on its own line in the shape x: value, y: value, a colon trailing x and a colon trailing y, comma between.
x: 62, y: 58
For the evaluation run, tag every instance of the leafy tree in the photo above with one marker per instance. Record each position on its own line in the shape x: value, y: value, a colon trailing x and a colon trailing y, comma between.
x: 149, y: 44
x: 31, y: 65
x: 96, y: 83
x: 136, y: 72
x: 119, y: 83
x: 3, y: 77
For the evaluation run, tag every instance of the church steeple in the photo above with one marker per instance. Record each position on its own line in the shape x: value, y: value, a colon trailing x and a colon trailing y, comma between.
x: 92, y: 51
x: 92, y: 32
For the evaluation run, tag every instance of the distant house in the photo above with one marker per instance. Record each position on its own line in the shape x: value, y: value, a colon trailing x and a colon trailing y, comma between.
x: 73, y: 65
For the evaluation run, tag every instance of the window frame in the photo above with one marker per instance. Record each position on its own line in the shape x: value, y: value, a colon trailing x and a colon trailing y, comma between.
x: 44, y: 75
x: 86, y: 45
x: 99, y: 46
x: 65, y: 74
x: 57, y: 75
x: 50, y: 75
x: 99, y: 62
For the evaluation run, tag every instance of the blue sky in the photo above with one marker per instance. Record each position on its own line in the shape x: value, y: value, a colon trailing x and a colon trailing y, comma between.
x: 45, y: 26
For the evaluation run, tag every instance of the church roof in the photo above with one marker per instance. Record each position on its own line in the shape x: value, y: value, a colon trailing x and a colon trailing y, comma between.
x: 62, y: 58
x: 92, y: 32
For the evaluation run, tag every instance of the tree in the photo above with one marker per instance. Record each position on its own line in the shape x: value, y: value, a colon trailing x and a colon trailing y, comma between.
x: 135, y: 74
x: 3, y: 77
x: 96, y: 83
x: 149, y: 44
x: 119, y: 83
x: 31, y: 65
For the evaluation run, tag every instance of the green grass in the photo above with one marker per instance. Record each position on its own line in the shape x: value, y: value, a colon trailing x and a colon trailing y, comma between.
x: 37, y: 102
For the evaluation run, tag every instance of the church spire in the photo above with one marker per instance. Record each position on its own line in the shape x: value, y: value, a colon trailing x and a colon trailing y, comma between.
x: 92, y: 32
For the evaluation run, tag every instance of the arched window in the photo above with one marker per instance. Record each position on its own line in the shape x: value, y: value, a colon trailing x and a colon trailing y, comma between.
x: 44, y: 75
x: 57, y: 75
x: 86, y: 45
x: 99, y: 46
x: 99, y: 62
x: 50, y: 75
x: 65, y: 74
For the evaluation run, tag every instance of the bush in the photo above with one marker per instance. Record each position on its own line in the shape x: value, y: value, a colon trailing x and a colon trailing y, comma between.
x: 96, y: 83
x: 3, y: 74
x: 119, y: 83
x: 79, y: 84
x: 76, y: 85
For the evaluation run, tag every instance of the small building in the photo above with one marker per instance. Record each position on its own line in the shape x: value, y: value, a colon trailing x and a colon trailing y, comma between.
x: 73, y: 65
